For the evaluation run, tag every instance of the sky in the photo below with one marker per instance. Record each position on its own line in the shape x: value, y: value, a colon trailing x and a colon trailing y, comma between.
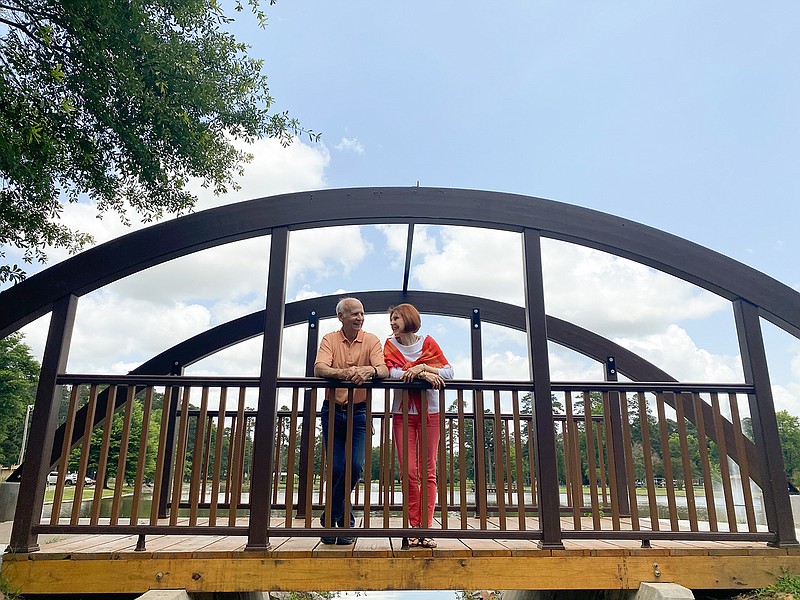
x: 680, y: 115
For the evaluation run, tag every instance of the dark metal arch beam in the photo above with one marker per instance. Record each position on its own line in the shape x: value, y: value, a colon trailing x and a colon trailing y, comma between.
x: 561, y: 332
x: 134, y: 252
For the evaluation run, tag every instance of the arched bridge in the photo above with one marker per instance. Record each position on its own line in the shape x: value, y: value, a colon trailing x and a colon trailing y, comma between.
x: 543, y: 484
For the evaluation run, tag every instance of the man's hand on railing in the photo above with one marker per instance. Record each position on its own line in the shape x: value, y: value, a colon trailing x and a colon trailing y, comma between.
x: 359, y: 375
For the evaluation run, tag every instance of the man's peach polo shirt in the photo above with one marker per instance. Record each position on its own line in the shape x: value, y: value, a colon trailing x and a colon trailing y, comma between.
x: 337, y: 352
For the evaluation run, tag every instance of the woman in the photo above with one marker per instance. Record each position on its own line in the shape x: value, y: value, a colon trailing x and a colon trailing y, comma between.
x: 409, y: 357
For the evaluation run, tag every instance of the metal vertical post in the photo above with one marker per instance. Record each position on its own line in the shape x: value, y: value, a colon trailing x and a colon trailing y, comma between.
x: 303, y: 485
x: 617, y: 449
x: 476, y: 347
x: 476, y: 344
x: 765, y: 424
x: 43, y: 428
x: 266, y: 415
x: 545, y: 442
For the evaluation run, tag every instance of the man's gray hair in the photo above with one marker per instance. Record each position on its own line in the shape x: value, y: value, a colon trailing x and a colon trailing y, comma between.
x: 341, y: 303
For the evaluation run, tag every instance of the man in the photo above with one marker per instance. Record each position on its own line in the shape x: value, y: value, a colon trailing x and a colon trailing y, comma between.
x: 349, y: 354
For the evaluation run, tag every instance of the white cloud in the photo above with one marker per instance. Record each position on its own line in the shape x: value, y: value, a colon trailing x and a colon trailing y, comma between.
x: 325, y: 252
x: 350, y: 145
x: 232, y: 273
x: 674, y: 351
x: 566, y: 365
x: 787, y: 398
x: 479, y: 262
x: 115, y: 331
x: 505, y: 366
x: 397, y: 238
x: 602, y: 292
x: 240, y: 360
x: 305, y: 293
x: 795, y: 366
x: 612, y: 295
x: 273, y: 170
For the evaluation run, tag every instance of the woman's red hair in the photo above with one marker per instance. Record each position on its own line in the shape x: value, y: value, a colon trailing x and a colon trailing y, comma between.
x: 410, y: 316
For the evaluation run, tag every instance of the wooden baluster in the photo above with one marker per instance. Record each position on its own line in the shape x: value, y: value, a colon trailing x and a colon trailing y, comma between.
x: 744, y: 469
x: 197, y: 458
x: 162, y: 450
x: 572, y: 463
x: 644, y: 424
x: 290, y: 458
x: 627, y: 446
x: 518, y: 459
x: 723, y: 463
x: 119, y: 480
x: 216, y: 470
x: 141, y: 458
x: 69, y: 426
x: 667, y: 461
x: 499, y: 462
x: 86, y: 442
x: 180, y: 458
x: 236, y: 471
x: 702, y: 444
x: 462, y: 464
x: 591, y: 463
x: 680, y: 415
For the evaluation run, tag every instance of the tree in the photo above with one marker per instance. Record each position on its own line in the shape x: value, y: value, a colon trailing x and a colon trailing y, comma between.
x: 789, y: 433
x: 19, y: 376
x: 123, y: 103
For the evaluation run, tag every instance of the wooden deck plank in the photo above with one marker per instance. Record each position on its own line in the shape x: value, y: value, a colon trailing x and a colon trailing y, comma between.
x: 451, y: 547
x: 294, y: 547
x: 372, y: 547
x: 222, y: 547
x: 83, y: 543
x: 108, y: 548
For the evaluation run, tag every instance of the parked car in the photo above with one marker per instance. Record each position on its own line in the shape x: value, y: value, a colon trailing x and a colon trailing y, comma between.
x: 69, y: 479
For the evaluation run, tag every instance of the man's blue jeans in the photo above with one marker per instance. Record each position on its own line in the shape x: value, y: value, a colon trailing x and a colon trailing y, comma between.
x: 338, y: 487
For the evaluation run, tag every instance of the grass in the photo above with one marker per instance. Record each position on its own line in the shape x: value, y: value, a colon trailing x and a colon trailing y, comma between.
x: 88, y: 493
x: 787, y: 586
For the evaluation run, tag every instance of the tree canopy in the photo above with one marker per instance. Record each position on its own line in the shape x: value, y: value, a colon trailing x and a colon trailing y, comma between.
x: 19, y: 374
x: 122, y: 103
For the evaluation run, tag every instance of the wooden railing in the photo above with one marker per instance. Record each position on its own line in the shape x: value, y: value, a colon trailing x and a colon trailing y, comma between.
x: 171, y: 464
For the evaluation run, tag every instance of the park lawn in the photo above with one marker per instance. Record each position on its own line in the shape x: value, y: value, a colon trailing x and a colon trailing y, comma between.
x: 88, y: 493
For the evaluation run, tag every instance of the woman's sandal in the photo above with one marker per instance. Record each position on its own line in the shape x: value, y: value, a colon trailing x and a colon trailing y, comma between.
x: 414, y: 542
x: 427, y: 542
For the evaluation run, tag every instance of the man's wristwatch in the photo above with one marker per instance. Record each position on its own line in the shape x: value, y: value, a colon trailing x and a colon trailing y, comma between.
x: 376, y: 371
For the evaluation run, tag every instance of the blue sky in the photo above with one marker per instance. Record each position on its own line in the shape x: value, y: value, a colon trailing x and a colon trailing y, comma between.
x: 681, y: 115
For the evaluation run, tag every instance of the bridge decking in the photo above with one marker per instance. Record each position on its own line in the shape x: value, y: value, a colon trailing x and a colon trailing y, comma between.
x: 109, y: 564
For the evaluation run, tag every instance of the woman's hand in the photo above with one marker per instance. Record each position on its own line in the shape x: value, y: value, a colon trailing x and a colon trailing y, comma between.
x: 410, y: 375
x: 413, y: 373
x: 433, y: 378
